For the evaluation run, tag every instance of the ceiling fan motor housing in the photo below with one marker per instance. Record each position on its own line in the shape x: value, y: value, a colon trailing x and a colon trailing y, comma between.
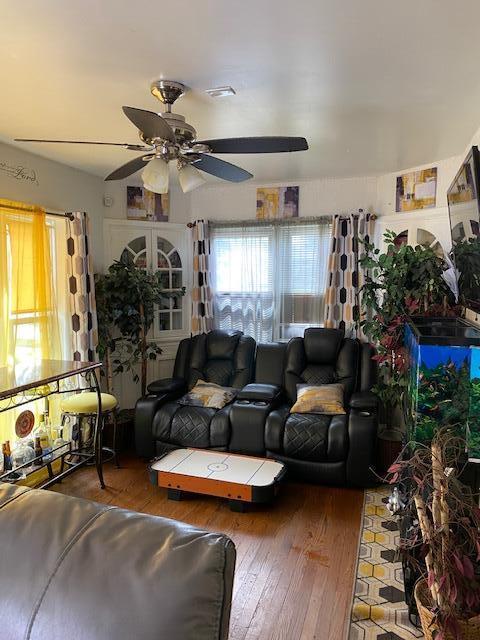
x: 167, y: 91
x: 184, y: 132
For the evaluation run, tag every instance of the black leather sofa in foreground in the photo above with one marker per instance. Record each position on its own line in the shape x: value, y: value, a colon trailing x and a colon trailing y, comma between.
x: 71, y: 568
x: 325, y: 449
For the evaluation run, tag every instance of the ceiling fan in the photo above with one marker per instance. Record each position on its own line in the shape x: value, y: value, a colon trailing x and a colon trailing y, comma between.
x: 168, y: 137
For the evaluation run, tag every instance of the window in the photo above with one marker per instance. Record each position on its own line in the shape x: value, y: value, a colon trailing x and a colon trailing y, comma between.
x: 27, y: 323
x: 34, y: 314
x: 269, y: 279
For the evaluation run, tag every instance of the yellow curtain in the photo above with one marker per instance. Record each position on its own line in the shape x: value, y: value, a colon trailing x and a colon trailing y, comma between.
x: 28, y: 312
x: 29, y: 327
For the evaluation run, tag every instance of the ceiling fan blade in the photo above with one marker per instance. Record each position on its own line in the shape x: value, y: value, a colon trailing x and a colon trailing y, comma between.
x: 128, y: 169
x: 125, y: 145
x: 221, y: 169
x: 149, y: 123
x: 266, y: 144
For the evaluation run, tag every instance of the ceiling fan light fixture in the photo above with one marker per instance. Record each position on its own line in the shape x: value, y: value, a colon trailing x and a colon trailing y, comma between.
x: 190, y: 178
x: 155, y: 176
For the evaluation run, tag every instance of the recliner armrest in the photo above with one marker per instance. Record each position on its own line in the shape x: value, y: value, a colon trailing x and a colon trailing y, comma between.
x: 145, y: 411
x: 167, y: 385
x: 364, y: 401
x: 262, y: 392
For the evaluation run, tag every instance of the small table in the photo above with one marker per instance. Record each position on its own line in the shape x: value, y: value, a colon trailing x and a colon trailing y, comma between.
x: 26, y: 383
x: 241, y: 479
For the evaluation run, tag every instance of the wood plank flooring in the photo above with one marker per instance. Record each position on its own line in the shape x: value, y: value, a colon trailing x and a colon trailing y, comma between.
x: 296, y: 558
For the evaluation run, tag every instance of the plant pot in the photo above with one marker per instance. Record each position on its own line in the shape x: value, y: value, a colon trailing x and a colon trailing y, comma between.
x: 469, y: 629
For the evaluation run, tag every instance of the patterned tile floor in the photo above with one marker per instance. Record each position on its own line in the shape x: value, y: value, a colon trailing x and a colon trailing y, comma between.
x: 379, y: 611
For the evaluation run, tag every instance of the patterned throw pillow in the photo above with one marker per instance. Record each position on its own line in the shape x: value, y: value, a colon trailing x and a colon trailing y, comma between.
x: 326, y: 399
x: 208, y: 394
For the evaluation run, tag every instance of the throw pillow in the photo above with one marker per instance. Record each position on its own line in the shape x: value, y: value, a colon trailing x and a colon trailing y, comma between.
x: 208, y: 394
x: 326, y: 399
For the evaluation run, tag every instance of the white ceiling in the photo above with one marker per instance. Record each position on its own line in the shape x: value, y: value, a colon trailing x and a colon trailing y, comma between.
x: 374, y: 85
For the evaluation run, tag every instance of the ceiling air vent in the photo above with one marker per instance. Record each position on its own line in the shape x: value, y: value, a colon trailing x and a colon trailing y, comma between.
x: 220, y: 92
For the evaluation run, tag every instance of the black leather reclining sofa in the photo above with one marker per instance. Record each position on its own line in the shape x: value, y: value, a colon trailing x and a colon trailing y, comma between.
x: 336, y: 450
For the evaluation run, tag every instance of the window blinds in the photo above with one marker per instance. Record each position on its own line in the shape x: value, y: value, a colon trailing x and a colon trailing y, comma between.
x: 269, y: 280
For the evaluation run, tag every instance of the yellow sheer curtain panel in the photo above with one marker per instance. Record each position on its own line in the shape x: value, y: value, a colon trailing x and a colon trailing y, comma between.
x: 28, y: 310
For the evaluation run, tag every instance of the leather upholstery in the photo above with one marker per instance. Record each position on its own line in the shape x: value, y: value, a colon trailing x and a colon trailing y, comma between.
x: 94, y: 572
x: 322, y: 357
x: 364, y: 400
x: 270, y: 363
x: 223, y: 358
x: 368, y: 368
x: 335, y: 449
x: 182, y: 359
x: 307, y: 436
x: 326, y: 449
x: 255, y: 401
x: 258, y: 391
x: 167, y: 385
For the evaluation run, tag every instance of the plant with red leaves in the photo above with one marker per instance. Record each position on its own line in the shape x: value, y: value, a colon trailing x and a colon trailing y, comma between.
x: 402, y: 282
x: 445, y: 534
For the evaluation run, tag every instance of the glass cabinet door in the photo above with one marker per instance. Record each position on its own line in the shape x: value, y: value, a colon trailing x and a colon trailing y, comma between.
x: 163, y: 248
x: 169, y: 264
x: 137, y: 250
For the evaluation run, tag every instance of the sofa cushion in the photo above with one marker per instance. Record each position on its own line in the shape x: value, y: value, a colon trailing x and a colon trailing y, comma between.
x: 221, y: 345
x: 191, y: 426
x: 307, y: 436
x: 322, y: 345
x: 326, y: 399
x: 108, y: 573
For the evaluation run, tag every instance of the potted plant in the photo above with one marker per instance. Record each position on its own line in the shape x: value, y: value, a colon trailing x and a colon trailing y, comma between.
x: 400, y: 282
x: 444, y: 536
x: 126, y: 297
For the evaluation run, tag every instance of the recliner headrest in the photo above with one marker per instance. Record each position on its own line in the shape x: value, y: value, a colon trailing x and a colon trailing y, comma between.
x: 221, y: 345
x: 322, y: 345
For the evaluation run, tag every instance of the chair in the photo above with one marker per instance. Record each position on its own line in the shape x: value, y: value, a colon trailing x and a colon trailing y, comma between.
x: 84, y: 405
x: 337, y: 449
x: 163, y: 424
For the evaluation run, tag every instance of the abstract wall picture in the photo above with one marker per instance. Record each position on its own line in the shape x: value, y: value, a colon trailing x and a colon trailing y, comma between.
x: 143, y: 204
x: 277, y: 202
x: 416, y: 190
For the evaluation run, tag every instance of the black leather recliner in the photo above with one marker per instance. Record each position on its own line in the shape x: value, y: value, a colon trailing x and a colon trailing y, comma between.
x: 337, y: 449
x: 162, y: 424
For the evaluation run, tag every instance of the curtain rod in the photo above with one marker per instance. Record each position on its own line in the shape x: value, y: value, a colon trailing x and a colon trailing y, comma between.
x: 281, y: 221
x: 67, y: 214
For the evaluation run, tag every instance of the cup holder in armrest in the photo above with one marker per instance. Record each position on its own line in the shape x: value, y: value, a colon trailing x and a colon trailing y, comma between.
x: 243, y: 401
x: 261, y: 403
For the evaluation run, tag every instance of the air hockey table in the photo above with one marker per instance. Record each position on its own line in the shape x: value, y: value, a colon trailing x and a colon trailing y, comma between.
x: 241, y: 479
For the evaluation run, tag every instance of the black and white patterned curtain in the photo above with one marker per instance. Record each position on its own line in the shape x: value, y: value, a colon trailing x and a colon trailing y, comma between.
x: 202, y: 308
x: 345, y: 275
x: 81, y: 288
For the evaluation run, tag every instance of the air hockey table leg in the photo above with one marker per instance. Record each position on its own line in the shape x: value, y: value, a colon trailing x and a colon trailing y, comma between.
x: 238, y: 506
x: 175, y: 494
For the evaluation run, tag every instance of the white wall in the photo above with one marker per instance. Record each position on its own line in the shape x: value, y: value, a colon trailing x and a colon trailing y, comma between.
x: 317, y: 197
x: 179, y: 202
x: 36, y: 180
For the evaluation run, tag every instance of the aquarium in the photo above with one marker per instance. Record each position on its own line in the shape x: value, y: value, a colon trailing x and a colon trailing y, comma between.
x: 444, y: 379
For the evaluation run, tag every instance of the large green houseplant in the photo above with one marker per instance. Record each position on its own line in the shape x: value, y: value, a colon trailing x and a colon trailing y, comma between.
x: 126, y: 297
x: 401, y: 281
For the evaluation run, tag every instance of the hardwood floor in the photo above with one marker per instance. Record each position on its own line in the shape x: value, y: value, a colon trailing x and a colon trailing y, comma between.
x: 296, y: 558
